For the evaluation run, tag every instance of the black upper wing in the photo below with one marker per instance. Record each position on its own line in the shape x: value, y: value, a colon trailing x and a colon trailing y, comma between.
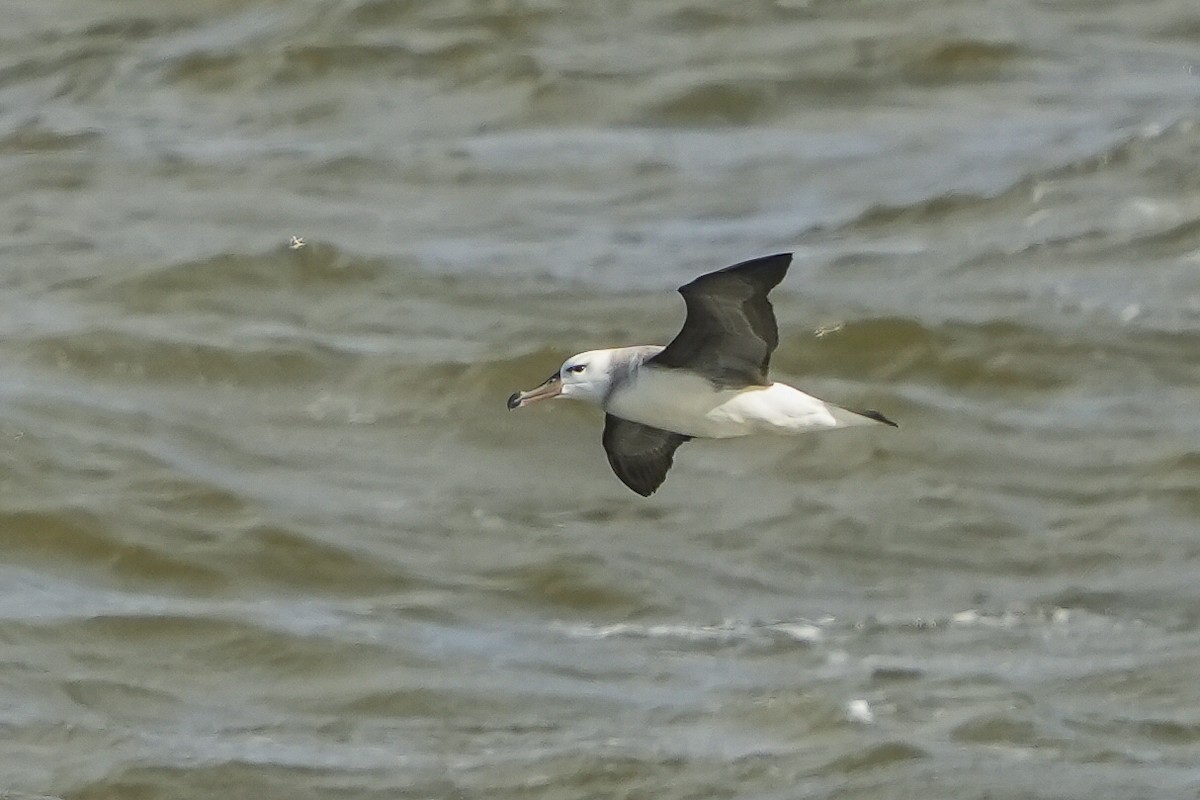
x: 640, y: 454
x: 730, y: 330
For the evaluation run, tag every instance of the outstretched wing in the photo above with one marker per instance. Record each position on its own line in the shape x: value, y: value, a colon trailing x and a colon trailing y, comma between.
x: 640, y: 454
x: 730, y: 330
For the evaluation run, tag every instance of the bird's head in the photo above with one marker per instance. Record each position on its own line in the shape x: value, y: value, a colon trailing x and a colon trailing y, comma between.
x: 586, y: 376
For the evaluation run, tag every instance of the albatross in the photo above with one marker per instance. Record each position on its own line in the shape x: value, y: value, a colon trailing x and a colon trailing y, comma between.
x: 710, y: 382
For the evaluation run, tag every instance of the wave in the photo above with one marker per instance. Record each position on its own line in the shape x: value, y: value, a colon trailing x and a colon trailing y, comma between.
x: 1150, y: 144
x: 151, y: 545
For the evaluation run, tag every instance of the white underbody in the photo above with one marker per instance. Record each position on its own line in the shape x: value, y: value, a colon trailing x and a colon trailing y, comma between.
x: 684, y: 402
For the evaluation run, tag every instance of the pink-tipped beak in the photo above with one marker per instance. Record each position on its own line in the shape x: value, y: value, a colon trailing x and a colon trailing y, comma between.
x: 551, y: 388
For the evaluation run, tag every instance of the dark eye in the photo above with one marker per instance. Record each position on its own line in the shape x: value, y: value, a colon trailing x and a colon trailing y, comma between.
x: 576, y: 368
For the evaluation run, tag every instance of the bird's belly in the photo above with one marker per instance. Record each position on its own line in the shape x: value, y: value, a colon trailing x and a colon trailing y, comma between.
x: 678, y: 401
x: 684, y: 403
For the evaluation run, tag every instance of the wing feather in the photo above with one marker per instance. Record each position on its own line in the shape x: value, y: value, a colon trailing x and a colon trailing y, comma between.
x: 639, y: 454
x: 730, y: 330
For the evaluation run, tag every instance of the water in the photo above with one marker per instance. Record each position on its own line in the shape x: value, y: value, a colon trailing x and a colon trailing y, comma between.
x: 268, y: 531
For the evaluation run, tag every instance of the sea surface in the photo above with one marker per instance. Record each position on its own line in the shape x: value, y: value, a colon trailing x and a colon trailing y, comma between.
x: 268, y: 531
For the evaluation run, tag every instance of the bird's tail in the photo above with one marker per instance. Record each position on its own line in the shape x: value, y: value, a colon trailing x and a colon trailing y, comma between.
x: 846, y: 416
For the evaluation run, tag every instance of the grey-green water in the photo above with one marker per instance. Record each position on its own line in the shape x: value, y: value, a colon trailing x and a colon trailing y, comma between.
x: 267, y: 530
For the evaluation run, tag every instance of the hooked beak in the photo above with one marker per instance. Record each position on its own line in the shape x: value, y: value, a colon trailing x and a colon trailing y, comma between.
x: 551, y: 388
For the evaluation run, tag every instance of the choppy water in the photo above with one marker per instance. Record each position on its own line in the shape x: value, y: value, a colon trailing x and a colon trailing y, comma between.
x: 267, y: 530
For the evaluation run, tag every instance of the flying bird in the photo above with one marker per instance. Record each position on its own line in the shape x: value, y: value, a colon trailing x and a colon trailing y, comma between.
x: 710, y: 382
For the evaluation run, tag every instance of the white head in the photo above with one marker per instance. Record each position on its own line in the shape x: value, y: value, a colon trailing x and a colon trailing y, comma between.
x: 586, y: 376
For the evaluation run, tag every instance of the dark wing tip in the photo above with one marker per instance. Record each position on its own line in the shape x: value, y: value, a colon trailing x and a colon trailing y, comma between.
x: 643, y: 486
x: 765, y: 271
x: 871, y: 413
x: 637, y: 475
